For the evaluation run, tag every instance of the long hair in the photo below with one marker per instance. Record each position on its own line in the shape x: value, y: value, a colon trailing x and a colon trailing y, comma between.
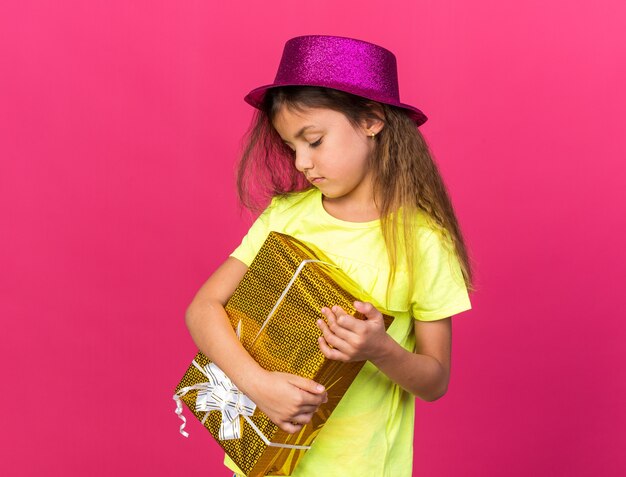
x: 405, y: 177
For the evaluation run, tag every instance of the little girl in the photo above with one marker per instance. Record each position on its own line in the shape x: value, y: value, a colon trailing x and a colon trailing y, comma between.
x: 347, y: 169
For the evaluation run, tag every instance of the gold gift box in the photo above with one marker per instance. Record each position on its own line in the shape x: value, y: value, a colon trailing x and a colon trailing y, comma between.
x: 275, y: 309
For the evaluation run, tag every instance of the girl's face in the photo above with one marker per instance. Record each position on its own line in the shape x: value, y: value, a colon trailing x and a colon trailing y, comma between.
x: 329, y: 152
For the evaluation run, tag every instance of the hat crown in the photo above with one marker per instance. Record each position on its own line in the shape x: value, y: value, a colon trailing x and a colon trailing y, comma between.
x: 362, y: 67
x: 345, y: 64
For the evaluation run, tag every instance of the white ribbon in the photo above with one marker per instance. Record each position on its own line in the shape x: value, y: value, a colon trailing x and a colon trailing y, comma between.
x: 284, y: 293
x: 217, y: 394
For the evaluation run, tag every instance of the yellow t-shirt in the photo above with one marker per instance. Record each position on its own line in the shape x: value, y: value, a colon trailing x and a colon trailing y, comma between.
x: 370, y: 432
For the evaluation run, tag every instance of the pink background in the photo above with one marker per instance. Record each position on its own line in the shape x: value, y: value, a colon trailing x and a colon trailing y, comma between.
x: 119, y: 126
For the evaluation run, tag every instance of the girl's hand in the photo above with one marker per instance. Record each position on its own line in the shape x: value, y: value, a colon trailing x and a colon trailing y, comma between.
x: 346, y: 338
x: 287, y: 399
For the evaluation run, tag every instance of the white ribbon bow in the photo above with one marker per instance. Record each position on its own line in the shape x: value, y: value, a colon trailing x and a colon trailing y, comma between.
x: 217, y: 394
x: 222, y: 395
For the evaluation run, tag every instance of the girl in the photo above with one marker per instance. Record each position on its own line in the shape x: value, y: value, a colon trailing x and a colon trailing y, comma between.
x: 347, y: 170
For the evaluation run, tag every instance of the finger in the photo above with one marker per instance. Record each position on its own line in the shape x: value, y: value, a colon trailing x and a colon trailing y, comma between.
x: 339, y: 340
x: 310, y: 408
x: 368, y: 310
x: 303, y: 418
x: 330, y: 316
x: 346, y: 322
x: 338, y: 311
x: 306, y: 384
x: 290, y: 427
x: 331, y: 353
x: 335, y: 329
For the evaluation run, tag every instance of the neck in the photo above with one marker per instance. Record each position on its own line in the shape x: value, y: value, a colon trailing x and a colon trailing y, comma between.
x: 352, y: 209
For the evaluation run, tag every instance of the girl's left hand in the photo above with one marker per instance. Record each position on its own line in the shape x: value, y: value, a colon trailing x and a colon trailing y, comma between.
x: 346, y: 338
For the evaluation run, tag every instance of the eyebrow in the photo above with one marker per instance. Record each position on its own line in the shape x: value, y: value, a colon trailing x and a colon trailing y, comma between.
x: 301, y: 132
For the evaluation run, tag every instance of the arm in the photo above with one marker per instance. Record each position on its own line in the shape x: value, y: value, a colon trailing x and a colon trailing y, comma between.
x: 424, y: 373
x: 288, y: 400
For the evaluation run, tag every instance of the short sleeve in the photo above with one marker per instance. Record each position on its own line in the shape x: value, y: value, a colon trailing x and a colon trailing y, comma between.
x: 440, y: 290
x: 258, y: 232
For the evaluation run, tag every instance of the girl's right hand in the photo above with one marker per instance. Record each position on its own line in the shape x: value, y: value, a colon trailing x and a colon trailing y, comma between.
x: 287, y: 399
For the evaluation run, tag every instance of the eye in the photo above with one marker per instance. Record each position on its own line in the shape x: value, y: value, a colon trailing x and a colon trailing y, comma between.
x: 316, y: 143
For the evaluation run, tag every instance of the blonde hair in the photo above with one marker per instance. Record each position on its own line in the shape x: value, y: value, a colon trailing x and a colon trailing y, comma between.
x: 406, y: 179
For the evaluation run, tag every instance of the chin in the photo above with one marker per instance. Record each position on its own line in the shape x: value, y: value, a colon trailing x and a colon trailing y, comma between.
x: 328, y: 194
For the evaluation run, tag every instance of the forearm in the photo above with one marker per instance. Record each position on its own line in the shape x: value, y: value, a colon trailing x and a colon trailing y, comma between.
x: 419, y: 374
x: 346, y: 338
x: 288, y: 400
x: 213, y: 334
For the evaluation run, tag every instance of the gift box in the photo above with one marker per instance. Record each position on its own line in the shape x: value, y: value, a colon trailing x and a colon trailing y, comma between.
x: 274, y: 311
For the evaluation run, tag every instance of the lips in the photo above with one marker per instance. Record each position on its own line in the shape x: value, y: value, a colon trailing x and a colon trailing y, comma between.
x: 315, y: 180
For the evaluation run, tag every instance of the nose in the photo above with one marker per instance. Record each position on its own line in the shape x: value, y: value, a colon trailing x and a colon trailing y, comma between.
x: 304, y: 161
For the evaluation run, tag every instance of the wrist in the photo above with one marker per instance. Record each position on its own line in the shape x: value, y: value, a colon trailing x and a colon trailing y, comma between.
x: 252, y: 379
x: 384, y: 351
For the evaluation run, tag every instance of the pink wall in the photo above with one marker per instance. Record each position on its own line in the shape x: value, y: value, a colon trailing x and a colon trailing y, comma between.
x: 119, y: 126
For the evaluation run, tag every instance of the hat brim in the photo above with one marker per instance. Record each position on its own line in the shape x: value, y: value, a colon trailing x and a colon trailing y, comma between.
x: 255, y: 99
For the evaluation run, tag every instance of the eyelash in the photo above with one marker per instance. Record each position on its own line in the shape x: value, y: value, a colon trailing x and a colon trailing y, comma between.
x: 313, y: 145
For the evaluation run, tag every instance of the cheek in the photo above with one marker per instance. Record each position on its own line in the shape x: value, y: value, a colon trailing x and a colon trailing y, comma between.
x: 347, y: 157
x: 361, y: 152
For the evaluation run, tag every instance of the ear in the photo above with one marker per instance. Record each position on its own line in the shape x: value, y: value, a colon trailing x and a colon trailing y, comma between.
x: 374, y: 125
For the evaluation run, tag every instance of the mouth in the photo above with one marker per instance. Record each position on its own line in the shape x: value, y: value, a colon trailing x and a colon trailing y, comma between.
x: 315, y: 180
